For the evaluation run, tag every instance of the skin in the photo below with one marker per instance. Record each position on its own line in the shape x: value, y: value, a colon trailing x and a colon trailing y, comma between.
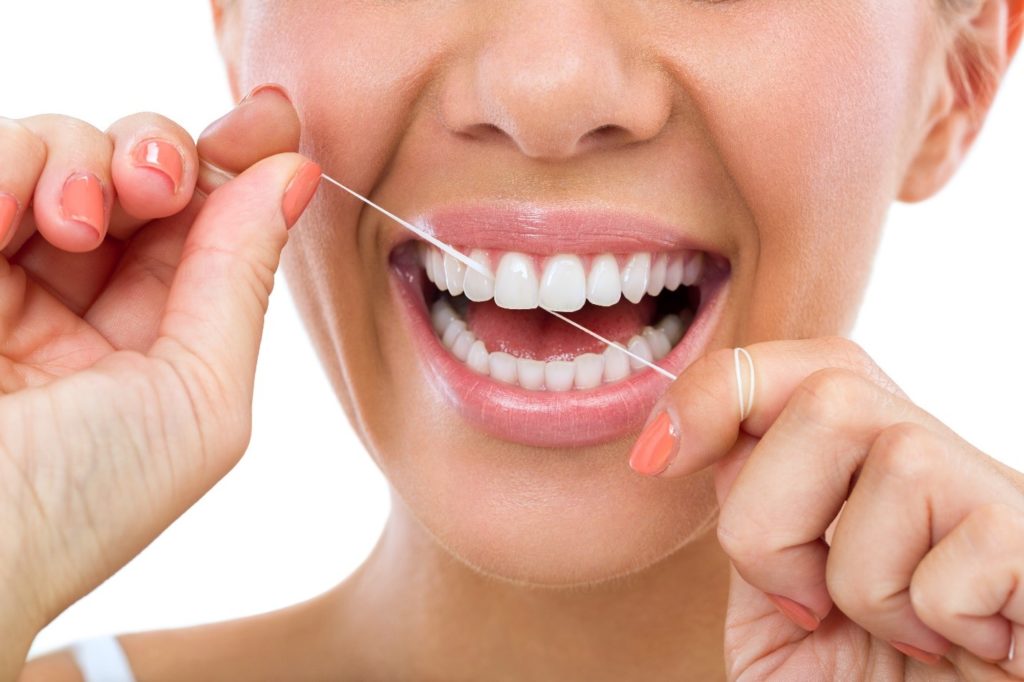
x: 781, y: 132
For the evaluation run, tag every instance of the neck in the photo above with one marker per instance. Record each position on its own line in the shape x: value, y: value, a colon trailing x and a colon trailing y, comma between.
x: 412, y: 610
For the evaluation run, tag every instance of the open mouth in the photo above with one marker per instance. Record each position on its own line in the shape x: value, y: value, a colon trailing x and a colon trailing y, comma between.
x: 643, y: 301
x: 522, y: 374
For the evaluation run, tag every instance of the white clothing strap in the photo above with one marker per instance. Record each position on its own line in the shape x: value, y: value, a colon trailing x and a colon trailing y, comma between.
x: 102, y: 659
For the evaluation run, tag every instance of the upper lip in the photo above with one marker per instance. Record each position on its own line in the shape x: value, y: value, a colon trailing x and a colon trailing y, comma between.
x: 543, y: 230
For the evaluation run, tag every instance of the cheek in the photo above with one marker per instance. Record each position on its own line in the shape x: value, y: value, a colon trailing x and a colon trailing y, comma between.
x: 809, y: 106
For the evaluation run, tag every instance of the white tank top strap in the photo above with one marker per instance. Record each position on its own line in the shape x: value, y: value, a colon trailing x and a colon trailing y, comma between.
x: 101, y: 659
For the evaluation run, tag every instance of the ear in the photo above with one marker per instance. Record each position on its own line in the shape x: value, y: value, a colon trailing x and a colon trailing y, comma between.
x: 226, y: 24
x: 977, y: 59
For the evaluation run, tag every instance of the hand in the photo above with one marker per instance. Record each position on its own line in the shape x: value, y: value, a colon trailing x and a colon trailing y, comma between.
x: 131, y: 310
x: 859, y: 527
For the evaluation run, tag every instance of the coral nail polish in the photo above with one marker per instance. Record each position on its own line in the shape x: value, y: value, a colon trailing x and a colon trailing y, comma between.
x: 162, y: 157
x: 8, y: 212
x: 82, y: 201
x: 299, y: 192
x: 798, y: 613
x: 655, y: 447
x: 915, y: 653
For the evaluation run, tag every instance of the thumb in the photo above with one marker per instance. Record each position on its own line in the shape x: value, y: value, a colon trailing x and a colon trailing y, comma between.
x: 213, y: 319
x: 264, y: 123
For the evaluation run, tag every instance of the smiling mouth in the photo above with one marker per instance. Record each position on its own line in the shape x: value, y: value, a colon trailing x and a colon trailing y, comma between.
x: 644, y: 301
x: 493, y: 352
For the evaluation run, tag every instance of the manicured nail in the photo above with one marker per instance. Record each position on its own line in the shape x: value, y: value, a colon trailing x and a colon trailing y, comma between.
x: 915, y: 653
x: 8, y: 212
x: 162, y: 157
x: 82, y: 201
x: 655, y: 447
x: 798, y: 613
x: 299, y: 192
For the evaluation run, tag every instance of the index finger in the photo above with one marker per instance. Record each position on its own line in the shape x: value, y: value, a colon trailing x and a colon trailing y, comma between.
x: 701, y: 409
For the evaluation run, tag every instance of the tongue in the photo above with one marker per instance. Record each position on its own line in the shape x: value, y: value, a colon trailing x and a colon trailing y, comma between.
x: 538, y: 335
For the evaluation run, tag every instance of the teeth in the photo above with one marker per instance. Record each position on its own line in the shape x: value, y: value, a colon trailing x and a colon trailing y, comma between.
x: 584, y: 372
x: 503, y: 367
x: 616, y: 365
x: 656, y: 282
x: 479, y: 359
x: 515, y: 285
x: 559, y: 375
x: 454, y: 274
x: 674, y: 273
x: 693, y: 268
x: 658, y: 342
x: 441, y: 315
x: 455, y: 327
x: 638, y: 346
x: 604, y: 285
x: 436, y: 269
x: 564, y: 285
x: 463, y: 343
x: 635, y: 276
x: 476, y: 286
x: 530, y: 373
x: 589, y: 370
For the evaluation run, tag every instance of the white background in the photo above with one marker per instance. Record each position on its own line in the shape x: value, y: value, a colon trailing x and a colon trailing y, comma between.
x: 942, y: 317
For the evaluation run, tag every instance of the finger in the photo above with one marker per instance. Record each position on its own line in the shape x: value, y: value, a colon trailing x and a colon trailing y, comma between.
x: 263, y: 124
x: 773, y: 521
x: 24, y: 156
x: 75, y: 279
x: 127, y: 312
x: 702, y: 405
x: 72, y: 199
x: 968, y: 586
x: 892, y: 511
x: 213, y: 320
x: 154, y: 169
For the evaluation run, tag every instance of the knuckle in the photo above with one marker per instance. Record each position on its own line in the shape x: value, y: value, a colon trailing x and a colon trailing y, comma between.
x: 851, y: 594
x: 996, y: 529
x: 742, y: 546
x: 18, y: 142
x: 149, y: 121
x: 903, y: 451
x: 922, y: 597
x: 826, y: 396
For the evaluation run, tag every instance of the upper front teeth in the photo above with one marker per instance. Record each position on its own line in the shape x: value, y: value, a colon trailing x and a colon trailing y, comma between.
x: 564, y: 283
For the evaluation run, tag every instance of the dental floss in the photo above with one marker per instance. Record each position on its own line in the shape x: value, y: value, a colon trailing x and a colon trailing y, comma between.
x: 469, y: 262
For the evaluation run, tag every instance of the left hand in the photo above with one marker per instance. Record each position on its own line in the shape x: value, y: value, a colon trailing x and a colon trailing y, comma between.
x: 837, y: 489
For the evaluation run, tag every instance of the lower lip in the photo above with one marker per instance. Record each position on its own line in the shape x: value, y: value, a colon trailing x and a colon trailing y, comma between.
x: 541, y: 418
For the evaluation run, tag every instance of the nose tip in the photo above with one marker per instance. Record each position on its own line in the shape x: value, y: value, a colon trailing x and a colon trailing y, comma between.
x: 555, y: 93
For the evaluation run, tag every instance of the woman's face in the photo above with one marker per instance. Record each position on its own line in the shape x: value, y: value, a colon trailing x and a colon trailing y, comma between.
x: 768, y: 136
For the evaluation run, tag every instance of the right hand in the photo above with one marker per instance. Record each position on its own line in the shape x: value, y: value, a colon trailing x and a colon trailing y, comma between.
x: 127, y: 357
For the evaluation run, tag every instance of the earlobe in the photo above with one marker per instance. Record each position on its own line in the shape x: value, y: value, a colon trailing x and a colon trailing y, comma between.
x: 977, y: 58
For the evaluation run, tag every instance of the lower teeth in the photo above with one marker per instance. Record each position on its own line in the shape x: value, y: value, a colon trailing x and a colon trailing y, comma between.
x: 589, y: 370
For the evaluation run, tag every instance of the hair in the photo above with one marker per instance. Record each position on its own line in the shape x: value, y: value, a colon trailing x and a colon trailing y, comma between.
x: 975, y: 67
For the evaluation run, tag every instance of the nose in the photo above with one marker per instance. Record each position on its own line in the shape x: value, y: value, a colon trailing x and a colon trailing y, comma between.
x: 556, y: 80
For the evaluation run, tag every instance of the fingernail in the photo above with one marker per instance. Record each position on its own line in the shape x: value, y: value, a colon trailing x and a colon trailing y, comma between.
x: 8, y: 212
x: 162, y: 157
x: 798, y: 613
x: 915, y: 653
x: 655, y: 447
x: 82, y: 201
x: 299, y: 192
x: 267, y: 89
